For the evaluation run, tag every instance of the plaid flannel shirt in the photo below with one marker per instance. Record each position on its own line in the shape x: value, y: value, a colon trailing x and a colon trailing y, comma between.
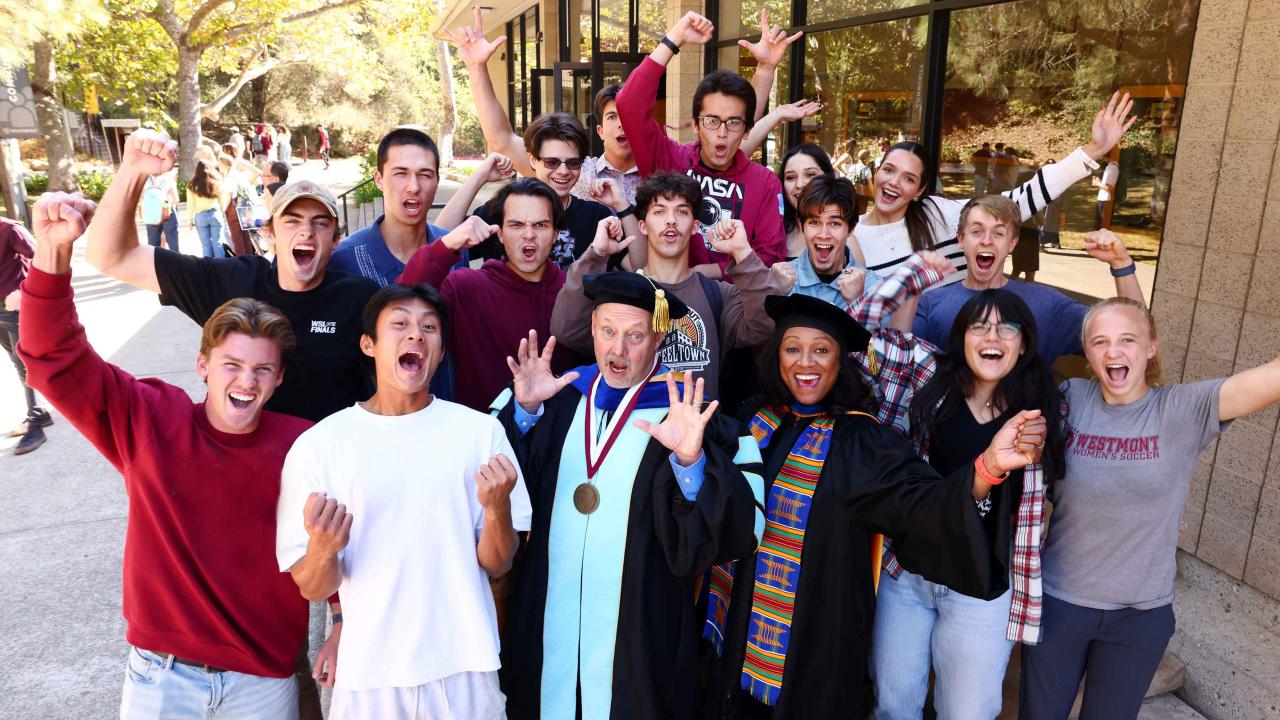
x: 896, y: 365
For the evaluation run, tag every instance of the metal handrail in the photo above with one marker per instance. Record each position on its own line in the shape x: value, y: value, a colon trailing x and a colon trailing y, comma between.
x: 342, y: 199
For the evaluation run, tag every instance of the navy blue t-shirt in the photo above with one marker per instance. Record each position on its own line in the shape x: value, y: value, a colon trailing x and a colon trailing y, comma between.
x: 1058, y: 317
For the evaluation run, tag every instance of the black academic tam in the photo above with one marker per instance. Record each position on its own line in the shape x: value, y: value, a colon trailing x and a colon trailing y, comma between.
x: 670, y: 544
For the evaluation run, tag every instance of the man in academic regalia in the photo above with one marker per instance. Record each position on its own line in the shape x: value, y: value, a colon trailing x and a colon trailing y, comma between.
x: 636, y: 493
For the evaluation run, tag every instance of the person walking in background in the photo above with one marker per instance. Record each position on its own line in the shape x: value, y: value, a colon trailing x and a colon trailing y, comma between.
x: 206, y: 198
x: 159, y: 209
x: 324, y: 145
x: 236, y: 141
x: 16, y: 248
x: 1106, y: 194
x: 283, y: 149
x: 1051, y: 217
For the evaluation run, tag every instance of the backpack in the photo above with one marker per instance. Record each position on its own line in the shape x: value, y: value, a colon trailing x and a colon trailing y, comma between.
x: 715, y: 297
x: 256, y: 143
x: 155, y: 206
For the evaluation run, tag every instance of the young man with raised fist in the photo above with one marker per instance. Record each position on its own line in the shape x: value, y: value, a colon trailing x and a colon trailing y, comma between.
x: 407, y: 505
x: 214, y: 625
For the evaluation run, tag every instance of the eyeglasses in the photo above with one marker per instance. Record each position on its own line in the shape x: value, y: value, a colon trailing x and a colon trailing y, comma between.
x: 712, y: 122
x: 551, y: 163
x: 1005, y: 330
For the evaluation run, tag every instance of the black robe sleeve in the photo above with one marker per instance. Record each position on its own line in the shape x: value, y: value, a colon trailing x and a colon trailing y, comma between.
x: 719, y: 525
x: 933, y: 520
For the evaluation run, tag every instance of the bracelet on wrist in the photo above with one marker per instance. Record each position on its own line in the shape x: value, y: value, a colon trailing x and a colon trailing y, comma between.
x: 980, y: 469
x: 626, y: 211
x: 337, y: 618
x: 675, y: 49
x: 1129, y: 269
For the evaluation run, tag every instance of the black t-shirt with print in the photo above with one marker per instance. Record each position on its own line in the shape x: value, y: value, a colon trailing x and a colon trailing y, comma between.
x: 327, y: 372
x: 581, y: 218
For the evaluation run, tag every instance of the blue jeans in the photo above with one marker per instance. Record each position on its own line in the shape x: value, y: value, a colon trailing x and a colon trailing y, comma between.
x: 155, y: 688
x: 209, y: 228
x: 168, y: 228
x: 1117, y: 653
x: 917, y: 622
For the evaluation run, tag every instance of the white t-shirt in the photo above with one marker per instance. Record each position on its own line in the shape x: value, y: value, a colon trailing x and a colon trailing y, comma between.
x: 416, y: 604
x: 1110, y: 176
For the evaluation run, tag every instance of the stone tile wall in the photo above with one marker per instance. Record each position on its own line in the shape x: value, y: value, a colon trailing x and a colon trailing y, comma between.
x: 1217, y: 291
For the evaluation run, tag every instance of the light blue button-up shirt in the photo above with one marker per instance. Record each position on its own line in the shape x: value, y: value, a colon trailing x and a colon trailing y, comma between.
x: 808, y: 282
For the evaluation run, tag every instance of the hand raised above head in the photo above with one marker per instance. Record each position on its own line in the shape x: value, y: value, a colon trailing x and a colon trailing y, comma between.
x: 60, y: 218
x: 691, y: 28
x: 474, y: 49
x: 531, y: 371
x: 498, y: 167
x: 772, y: 46
x: 149, y: 152
x: 1110, y: 124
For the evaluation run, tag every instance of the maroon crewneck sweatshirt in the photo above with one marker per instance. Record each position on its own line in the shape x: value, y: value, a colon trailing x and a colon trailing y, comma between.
x: 200, y: 575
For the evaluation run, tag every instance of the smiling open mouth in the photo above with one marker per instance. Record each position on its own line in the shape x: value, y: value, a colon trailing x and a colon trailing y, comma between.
x: 984, y: 260
x: 412, y: 206
x: 823, y: 251
x: 412, y: 362
x: 991, y: 354
x: 889, y: 196
x: 304, y: 254
x: 808, y: 380
x: 1117, y: 372
x: 241, y: 400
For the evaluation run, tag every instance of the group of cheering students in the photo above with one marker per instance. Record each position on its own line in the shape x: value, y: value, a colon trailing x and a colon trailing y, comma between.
x: 705, y: 471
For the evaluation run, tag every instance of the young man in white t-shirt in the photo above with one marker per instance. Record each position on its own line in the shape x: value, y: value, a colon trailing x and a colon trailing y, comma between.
x: 406, y: 504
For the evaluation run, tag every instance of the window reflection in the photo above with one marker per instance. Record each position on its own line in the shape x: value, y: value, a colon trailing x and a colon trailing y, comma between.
x: 1030, y: 76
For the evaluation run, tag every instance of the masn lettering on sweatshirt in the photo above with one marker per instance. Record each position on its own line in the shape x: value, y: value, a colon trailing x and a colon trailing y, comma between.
x: 718, y: 188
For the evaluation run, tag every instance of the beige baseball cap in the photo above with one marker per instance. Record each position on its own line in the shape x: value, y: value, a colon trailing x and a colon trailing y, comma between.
x: 300, y: 189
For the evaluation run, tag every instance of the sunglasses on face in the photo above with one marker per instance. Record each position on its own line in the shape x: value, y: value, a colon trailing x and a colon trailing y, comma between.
x: 551, y: 163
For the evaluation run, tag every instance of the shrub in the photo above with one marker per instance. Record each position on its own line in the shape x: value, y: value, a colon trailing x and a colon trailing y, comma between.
x: 93, y: 183
x: 36, y: 184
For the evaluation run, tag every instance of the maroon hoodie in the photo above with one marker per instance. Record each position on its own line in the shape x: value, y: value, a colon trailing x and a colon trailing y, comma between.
x: 491, y: 310
x: 747, y: 191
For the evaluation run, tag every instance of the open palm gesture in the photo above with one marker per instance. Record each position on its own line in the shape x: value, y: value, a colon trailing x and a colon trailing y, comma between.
x: 681, y: 430
x: 1110, y: 124
x: 531, y: 370
x: 772, y: 46
x: 473, y: 47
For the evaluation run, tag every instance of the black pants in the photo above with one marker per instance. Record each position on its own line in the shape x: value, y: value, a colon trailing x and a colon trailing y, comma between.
x: 9, y: 341
x: 1116, y: 651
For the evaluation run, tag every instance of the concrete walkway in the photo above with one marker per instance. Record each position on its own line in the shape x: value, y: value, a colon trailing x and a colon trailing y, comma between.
x: 61, y: 539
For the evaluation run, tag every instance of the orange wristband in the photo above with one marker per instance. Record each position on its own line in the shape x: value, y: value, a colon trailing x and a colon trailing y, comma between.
x: 980, y: 469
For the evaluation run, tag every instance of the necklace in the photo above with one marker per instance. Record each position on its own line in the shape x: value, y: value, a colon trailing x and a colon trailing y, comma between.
x: 598, y: 441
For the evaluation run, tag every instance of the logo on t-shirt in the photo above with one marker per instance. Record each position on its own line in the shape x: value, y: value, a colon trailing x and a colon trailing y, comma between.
x: 562, y: 250
x: 721, y: 200
x: 1102, y: 447
x: 324, y: 327
x: 685, y: 347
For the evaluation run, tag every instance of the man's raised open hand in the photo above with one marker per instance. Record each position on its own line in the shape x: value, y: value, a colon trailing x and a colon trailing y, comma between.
x: 682, y: 429
x: 772, y: 46
x: 531, y: 371
x: 473, y: 47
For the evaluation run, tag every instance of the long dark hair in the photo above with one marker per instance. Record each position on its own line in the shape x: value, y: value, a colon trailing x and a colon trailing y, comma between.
x: 918, y: 210
x: 789, y: 218
x: 1030, y: 385
x: 848, y: 393
x: 205, y: 181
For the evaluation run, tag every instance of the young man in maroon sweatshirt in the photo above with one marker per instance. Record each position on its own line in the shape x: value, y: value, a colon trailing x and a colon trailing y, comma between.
x: 214, y: 625
x: 724, y: 107
x: 494, y: 307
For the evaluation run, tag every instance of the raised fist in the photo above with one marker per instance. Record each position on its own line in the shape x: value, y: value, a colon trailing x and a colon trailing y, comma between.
x: 328, y: 524
x: 149, y: 152
x: 470, y: 233
x: 60, y: 218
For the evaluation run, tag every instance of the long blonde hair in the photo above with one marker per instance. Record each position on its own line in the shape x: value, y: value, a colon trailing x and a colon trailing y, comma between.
x: 1154, y: 375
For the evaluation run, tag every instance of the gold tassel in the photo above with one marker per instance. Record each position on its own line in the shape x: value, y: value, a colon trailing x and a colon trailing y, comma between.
x: 661, y: 313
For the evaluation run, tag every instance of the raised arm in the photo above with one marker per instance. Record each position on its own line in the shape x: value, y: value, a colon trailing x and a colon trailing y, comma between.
x: 798, y: 110
x: 571, y: 316
x: 768, y: 52
x: 744, y: 321
x: 1249, y: 391
x: 475, y: 51
x: 494, y: 168
x: 113, y: 237
x: 919, y: 272
x: 1106, y: 246
x: 431, y: 263
x: 1051, y: 181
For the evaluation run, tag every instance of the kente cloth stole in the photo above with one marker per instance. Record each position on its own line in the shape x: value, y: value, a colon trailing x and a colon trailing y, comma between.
x: 777, y: 560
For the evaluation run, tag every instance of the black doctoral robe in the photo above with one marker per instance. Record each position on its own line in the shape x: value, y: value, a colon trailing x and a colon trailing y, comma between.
x: 871, y: 481
x: 671, y: 543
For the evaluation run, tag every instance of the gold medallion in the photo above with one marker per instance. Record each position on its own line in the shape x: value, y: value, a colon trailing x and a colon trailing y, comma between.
x: 586, y: 498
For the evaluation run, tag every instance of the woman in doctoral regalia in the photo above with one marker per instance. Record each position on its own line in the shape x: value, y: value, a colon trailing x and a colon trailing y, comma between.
x: 790, y: 624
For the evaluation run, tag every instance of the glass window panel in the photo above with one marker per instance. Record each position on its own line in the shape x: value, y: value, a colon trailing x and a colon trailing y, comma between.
x: 870, y: 81
x: 827, y: 10
x: 1032, y: 75
x: 615, y: 25
x: 741, y: 18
